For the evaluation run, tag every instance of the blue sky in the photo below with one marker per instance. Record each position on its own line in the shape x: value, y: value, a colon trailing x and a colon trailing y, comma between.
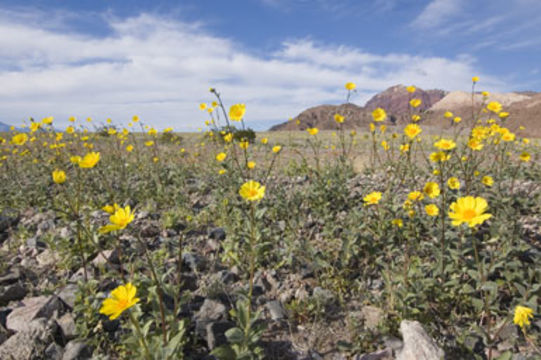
x: 158, y: 58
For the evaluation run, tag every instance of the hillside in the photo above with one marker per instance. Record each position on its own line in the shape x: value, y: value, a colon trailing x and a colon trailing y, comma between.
x: 4, y: 127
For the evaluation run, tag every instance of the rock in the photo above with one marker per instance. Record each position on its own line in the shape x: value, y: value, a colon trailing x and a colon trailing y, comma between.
x: 210, y: 311
x: 417, y: 344
x: 11, y: 293
x: 79, y: 275
x: 34, y: 308
x: 47, y: 258
x: 76, y: 350
x: 35, y: 242
x: 67, y: 324
x: 11, y: 277
x: 385, y: 354
x: 276, y: 310
x: 8, y: 219
x: 193, y: 261
x: 4, y: 334
x: 323, y: 295
x: 31, y: 343
x: 372, y: 316
x: 54, y: 352
x: 105, y: 257
x: 188, y: 282
x: 217, y: 234
x: 68, y: 294
x: 215, y: 333
x: 150, y: 230
x: 393, y: 343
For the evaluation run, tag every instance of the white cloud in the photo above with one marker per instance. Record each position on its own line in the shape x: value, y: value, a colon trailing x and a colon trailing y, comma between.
x: 161, y: 69
x: 437, y: 12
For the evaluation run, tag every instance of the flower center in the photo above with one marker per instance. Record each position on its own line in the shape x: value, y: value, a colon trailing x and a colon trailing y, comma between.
x: 123, y: 303
x: 469, y: 214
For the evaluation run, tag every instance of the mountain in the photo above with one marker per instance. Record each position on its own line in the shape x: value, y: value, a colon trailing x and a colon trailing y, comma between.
x: 4, y: 127
x: 394, y: 100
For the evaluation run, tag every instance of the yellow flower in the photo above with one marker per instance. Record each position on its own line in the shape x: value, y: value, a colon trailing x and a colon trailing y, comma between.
x: 508, y: 136
x: 448, y: 114
x: 228, y: 137
x: 70, y: 130
x: 382, y: 128
x: 503, y: 115
x: 385, y: 145
x: 169, y: 129
x: 338, y: 118
x: 312, y: 131
x: 469, y: 210
x: 457, y: 119
x: 264, y: 140
x: 244, y: 144
x: 525, y: 156
x: 122, y: 298
x: 404, y: 148
x: 214, y: 104
x: 89, y: 160
x: 34, y: 126
x: 111, y: 208
x: 250, y: 165
x: 432, y: 189
x: 415, y: 196
x: 222, y: 171
x: 19, y: 139
x: 475, y: 79
x: 202, y: 106
x: 432, y: 210
x: 350, y: 86
x: 372, y: 127
x: 149, y: 143
x: 485, y: 93
x: 415, y: 118
x: 59, y: 176
x: 372, y: 199
x: 411, y: 89
x: 439, y: 156
x: 135, y: 118
x: 252, y: 191
x: 445, y: 144
x: 152, y: 131
x: 412, y: 130
x: 47, y: 120
x: 119, y: 220
x: 397, y: 222
x: 75, y: 159
x: 155, y: 159
x: 487, y: 180
x: 129, y: 148
x: 415, y: 102
x: 453, y: 183
x: 379, y: 114
x: 221, y: 156
x: 522, y: 316
x: 475, y: 144
x: 494, y: 106
x: 276, y: 149
x: 236, y: 112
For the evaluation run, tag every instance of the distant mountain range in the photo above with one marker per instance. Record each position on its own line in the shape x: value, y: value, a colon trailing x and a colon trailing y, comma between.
x: 524, y: 107
x: 4, y: 127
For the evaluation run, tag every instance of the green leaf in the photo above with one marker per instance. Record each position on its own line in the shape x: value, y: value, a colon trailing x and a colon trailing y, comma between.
x: 224, y: 352
x: 235, y: 335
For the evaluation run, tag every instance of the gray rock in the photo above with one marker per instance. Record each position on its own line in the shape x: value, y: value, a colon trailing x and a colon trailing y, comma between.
x: 47, y: 258
x: 11, y: 293
x: 67, y: 324
x: 393, y: 343
x: 34, y: 308
x: 35, y: 242
x: 4, y: 334
x: 193, y: 261
x: 68, y: 294
x: 323, y: 295
x: 217, y: 234
x: 54, y: 352
x: 385, y: 354
x: 210, y: 311
x: 76, y: 350
x: 105, y: 257
x: 372, y: 316
x: 31, y: 343
x: 11, y: 277
x: 215, y: 333
x: 276, y: 310
x: 417, y: 344
x: 150, y: 230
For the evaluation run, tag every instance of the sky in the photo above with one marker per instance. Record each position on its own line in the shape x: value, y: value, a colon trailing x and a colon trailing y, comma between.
x: 157, y: 59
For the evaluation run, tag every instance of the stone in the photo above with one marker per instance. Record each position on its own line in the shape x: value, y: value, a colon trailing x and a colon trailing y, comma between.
x: 323, y: 295
x: 34, y: 308
x: 54, y: 352
x: 417, y: 344
x: 372, y: 316
x: 105, y: 257
x: 11, y: 277
x: 47, y: 258
x: 276, y: 310
x: 215, y: 333
x: 31, y: 343
x: 4, y: 334
x: 385, y: 354
x: 68, y: 294
x: 67, y: 324
x: 193, y: 261
x: 11, y: 293
x: 35, y: 242
x: 150, y: 230
x: 8, y: 219
x: 210, y: 311
x: 217, y: 233
x: 76, y: 350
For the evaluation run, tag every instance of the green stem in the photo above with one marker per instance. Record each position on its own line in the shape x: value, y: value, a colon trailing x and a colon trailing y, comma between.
x: 140, y: 334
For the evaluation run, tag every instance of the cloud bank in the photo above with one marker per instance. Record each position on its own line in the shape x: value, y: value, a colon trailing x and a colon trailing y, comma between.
x: 161, y: 69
